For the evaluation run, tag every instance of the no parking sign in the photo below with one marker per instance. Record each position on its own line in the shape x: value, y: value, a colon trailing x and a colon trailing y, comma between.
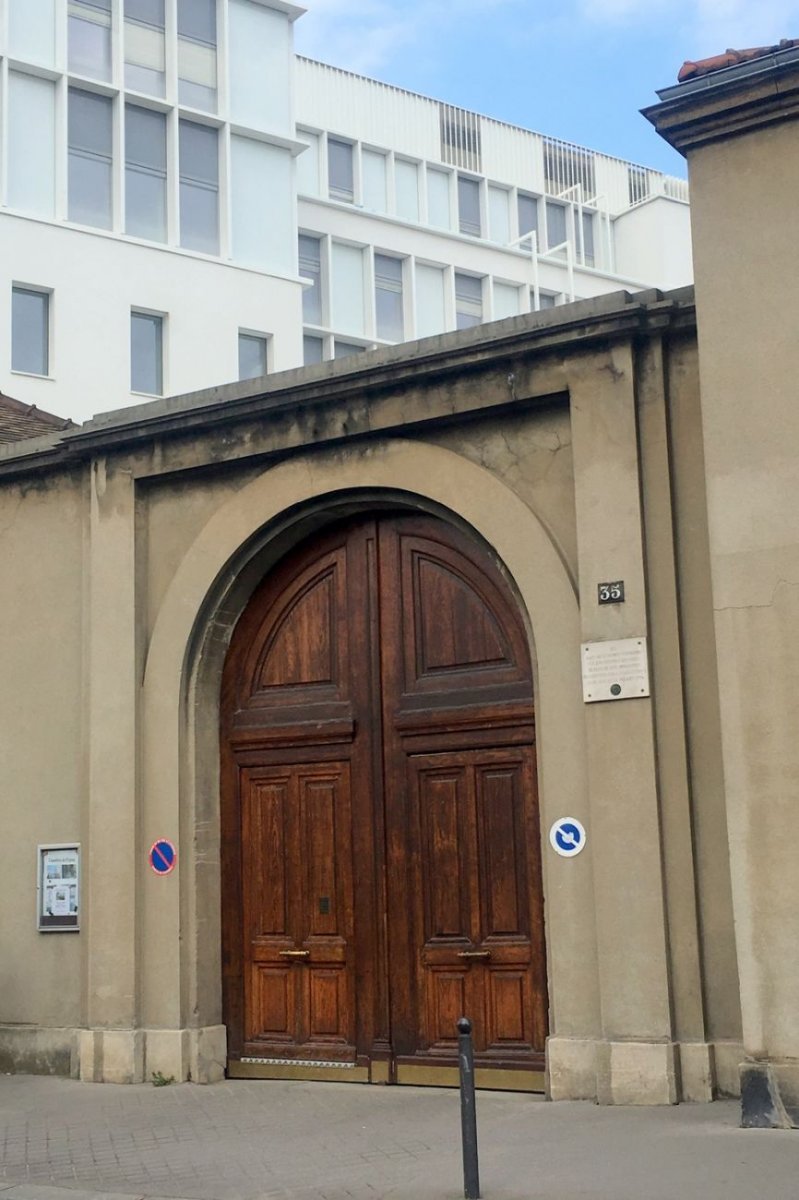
x: 163, y: 857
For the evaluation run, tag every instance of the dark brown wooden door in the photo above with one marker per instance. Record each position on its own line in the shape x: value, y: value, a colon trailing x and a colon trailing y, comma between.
x: 380, y: 824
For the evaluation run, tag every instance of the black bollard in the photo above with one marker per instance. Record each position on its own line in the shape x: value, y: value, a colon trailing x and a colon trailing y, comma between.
x: 471, y: 1172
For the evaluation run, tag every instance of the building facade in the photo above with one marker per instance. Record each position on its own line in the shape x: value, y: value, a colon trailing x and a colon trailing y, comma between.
x: 184, y: 202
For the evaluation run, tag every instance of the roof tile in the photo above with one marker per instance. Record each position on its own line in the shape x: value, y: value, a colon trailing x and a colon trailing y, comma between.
x: 19, y: 421
x: 705, y: 66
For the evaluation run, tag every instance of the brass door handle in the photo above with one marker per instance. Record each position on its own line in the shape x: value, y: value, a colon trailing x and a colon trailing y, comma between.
x: 483, y: 954
x: 295, y: 954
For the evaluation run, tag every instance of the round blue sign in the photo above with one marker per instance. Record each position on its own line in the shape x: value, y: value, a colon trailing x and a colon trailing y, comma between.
x: 567, y: 837
x: 163, y: 857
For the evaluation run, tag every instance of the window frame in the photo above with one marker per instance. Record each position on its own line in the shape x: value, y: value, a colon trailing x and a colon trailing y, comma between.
x: 29, y: 289
x: 162, y: 318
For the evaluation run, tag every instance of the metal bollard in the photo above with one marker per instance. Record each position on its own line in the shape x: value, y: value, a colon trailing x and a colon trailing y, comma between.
x: 471, y: 1172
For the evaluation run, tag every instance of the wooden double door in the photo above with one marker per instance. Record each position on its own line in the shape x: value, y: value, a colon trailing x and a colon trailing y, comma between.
x: 380, y: 842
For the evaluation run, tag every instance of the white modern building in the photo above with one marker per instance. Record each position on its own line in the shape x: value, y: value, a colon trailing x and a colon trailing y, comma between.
x: 183, y: 202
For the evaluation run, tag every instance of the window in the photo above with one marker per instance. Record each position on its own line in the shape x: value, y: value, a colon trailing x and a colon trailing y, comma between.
x: 527, y: 211
x: 146, y: 353
x: 145, y: 173
x: 469, y: 206
x: 312, y: 350
x: 252, y: 355
x: 199, y: 188
x: 30, y: 331
x: 89, y: 38
x: 339, y: 170
x: 556, y: 225
x: 310, y: 255
x: 345, y: 349
x: 545, y: 300
x: 468, y: 301
x: 460, y: 137
x: 90, y: 148
x: 197, y: 53
x: 388, y: 298
x: 145, y: 64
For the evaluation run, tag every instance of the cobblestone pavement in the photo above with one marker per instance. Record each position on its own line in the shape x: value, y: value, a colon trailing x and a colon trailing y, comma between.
x: 248, y: 1140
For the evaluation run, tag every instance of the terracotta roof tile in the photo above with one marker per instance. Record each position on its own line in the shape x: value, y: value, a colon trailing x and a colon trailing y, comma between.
x: 19, y: 421
x: 705, y: 66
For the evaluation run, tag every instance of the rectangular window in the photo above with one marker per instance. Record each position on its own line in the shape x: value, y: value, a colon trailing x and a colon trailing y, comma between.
x: 145, y: 173
x: 468, y: 301
x: 89, y: 38
x: 199, y: 188
x: 310, y: 262
x: 469, y: 206
x: 545, y: 300
x: 252, y: 355
x: 527, y: 209
x: 145, y: 62
x: 340, y: 171
x: 146, y: 353
x: 90, y: 151
x: 406, y: 186
x: 312, y: 350
x: 30, y: 331
x: 197, y: 53
x: 556, y: 225
x: 388, y: 298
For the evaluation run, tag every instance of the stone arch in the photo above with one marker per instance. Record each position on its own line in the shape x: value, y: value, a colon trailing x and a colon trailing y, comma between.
x: 179, y: 704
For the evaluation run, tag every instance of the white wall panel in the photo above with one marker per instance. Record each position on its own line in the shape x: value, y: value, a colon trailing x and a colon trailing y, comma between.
x: 506, y: 301
x: 406, y: 180
x: 261, y: 205
x: 374, y: 181
x: 430, y: 306
x: 499, y: 215
x: 439, y: 204
x: 31, y: 160
x: 348, y: 314
x: 31, y: 30
x: 260, y: 67
x: 308, y: 164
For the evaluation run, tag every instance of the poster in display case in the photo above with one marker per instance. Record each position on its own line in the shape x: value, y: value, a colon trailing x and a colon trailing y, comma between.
x: 58, y: 891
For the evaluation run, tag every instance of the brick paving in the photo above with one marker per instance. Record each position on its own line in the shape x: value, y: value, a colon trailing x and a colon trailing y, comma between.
x: 253, y: 1140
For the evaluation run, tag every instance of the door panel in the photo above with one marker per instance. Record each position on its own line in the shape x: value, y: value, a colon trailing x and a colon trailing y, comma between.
x: 380, y: 824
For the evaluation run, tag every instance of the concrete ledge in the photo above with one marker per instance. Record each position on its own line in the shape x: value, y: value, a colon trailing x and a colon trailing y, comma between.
x: 697, y: 1072
x: 728, y: 1058
x: 33, y: 1050
x: 571, y: 1068
x: 134, y: 1055
x: 637, y: 1073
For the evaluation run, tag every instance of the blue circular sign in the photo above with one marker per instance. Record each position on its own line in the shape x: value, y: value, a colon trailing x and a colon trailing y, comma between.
x: 567, y: 837
x: 163, y: 857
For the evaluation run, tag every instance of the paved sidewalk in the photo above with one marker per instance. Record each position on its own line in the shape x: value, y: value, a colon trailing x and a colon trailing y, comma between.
x: 248, y: 1140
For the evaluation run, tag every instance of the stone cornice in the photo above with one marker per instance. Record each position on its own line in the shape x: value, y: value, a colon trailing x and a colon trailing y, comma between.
x: 369, y: 396
x: 730, y: 102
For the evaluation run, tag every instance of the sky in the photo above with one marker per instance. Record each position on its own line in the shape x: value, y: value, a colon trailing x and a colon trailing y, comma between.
x: 574, y: 69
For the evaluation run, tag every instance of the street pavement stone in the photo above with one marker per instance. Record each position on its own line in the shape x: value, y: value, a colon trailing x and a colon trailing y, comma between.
x: 275, y: 1140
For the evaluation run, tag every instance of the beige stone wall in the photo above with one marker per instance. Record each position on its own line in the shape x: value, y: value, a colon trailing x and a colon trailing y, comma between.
x: 747, y: 278
x: 42, y: 741
x: 573, y: 467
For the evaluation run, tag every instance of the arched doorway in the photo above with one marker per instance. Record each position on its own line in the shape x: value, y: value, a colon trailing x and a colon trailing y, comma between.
x: 380, y: 843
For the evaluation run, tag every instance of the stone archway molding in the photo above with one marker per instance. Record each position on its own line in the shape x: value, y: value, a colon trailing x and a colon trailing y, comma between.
x: 180, y: 994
